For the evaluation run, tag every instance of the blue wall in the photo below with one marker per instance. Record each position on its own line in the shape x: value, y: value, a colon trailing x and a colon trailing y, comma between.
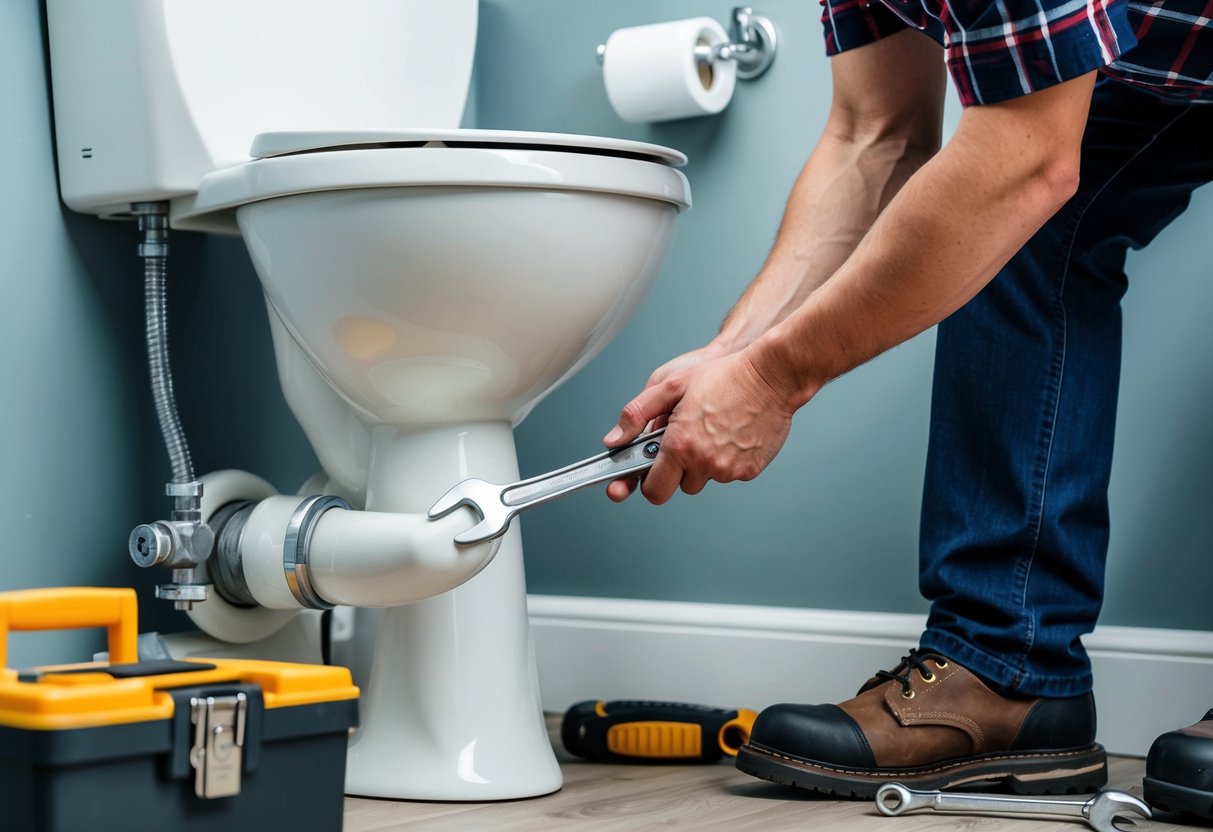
x: 70, y: 433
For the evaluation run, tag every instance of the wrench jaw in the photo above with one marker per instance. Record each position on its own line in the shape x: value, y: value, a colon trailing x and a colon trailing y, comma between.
x: 489, y: 528
x: 454, y: 498
x: 484, y: 498
x: 1112, y: 811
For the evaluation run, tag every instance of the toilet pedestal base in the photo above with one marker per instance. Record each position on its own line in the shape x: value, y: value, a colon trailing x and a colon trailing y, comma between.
x: 452, y: 710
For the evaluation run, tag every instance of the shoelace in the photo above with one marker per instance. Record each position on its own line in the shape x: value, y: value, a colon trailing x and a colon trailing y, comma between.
x: 911, y: 662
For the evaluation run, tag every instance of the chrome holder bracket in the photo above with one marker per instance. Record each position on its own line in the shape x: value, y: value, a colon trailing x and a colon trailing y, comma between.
x: 752, y: 45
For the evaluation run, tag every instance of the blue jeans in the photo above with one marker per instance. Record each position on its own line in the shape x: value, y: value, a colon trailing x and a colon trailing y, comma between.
x: 1015, y: 512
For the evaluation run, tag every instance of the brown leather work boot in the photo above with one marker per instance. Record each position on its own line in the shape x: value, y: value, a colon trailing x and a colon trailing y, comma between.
x: 929, y: 724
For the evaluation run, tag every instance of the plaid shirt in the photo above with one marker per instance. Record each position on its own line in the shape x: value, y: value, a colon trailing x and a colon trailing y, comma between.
x: 1000, y: 49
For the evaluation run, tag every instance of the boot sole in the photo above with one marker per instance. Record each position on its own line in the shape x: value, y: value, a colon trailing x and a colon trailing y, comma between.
x: 1030, y: 773
x: 1177, y: 800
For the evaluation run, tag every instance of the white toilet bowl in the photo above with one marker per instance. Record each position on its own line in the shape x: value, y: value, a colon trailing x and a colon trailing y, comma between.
x: 426, y: 289
x: 481, y: 265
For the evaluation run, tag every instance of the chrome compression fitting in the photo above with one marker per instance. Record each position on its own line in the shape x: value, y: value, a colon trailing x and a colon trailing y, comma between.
x: 183, y: 542
x: 295, y: 549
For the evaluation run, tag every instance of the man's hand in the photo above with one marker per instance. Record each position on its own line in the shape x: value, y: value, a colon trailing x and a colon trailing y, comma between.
x: 685, y: 362
x: 724, y: 420
x: 622, y: 487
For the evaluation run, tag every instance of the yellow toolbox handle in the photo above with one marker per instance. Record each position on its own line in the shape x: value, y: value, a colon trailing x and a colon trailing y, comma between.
x: 70, y: 608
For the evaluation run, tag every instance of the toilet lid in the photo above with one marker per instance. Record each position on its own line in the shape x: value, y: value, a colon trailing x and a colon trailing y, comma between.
x: 266, y: 145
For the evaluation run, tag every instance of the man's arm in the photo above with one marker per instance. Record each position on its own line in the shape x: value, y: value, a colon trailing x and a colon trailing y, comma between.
x: 956, y: 221
x: 882, y: 127
x: 1007, y: 170
x: 884, y: 123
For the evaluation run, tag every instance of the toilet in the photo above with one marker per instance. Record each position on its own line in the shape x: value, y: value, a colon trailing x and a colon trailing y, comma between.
x: 426, y: 287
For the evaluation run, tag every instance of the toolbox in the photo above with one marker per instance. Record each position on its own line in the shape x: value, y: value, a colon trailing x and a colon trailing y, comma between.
x: 202, y: 744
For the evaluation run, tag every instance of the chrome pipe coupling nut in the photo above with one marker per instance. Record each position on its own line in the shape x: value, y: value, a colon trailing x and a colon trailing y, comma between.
x: 295, y: 549
x: 153, y: 222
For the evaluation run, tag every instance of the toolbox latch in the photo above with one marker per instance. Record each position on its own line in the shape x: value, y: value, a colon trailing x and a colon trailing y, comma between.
x: 215, y: 755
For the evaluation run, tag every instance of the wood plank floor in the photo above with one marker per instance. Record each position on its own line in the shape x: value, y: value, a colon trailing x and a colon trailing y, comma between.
x: 626, y: 798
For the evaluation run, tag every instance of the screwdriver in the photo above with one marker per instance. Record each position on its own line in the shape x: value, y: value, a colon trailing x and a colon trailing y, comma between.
x: 635, y: 730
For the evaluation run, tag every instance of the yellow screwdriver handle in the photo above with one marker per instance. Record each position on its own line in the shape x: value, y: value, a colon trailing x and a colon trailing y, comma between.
x: 635, y: 729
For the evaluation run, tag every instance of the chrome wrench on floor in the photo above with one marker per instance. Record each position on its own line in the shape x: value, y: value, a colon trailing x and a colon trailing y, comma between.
x: 497, y: 504
x: 1101, y: 810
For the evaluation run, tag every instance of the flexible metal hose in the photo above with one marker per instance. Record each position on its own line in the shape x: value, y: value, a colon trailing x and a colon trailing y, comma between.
x: 154, y: 270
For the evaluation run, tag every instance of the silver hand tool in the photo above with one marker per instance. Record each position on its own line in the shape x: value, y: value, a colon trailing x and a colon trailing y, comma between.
x: 1101, y: 811
x: 497, y: 504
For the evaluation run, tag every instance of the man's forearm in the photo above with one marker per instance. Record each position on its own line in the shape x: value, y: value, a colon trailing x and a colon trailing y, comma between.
x: 943, y: 237
x: 885, y: 121
x: 845, y: 185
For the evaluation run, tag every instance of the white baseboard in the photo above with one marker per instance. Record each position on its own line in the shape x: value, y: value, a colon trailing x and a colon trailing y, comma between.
x: 1147, y: 681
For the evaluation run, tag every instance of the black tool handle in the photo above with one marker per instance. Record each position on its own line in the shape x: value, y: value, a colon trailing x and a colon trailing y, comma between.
x: 630, y: 730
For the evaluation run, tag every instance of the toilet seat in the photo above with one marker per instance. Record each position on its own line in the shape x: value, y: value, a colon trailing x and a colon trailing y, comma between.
x: 284, y: 143
x: 288, y: 163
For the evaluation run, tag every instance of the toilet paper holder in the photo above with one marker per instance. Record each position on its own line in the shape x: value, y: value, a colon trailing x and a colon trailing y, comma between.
x: 752, y: 42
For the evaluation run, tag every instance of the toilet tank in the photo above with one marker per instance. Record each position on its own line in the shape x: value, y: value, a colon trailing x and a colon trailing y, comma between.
x: 151, y: 95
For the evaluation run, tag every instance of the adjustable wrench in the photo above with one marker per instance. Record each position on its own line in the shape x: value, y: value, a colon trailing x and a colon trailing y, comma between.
x: 1101, y: 811
x: 497, y: 504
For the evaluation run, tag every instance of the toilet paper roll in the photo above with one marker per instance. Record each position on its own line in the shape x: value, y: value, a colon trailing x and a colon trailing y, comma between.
x: 652, y: 73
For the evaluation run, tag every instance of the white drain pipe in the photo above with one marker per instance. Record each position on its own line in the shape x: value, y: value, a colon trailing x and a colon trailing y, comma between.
x: 298, y: 553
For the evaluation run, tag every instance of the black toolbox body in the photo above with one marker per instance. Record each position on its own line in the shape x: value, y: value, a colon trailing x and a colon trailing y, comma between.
x: 116, y: 747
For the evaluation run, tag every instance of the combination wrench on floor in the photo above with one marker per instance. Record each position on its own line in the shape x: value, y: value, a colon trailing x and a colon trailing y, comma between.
x: 497, y: 504
x: 1101, y: 810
